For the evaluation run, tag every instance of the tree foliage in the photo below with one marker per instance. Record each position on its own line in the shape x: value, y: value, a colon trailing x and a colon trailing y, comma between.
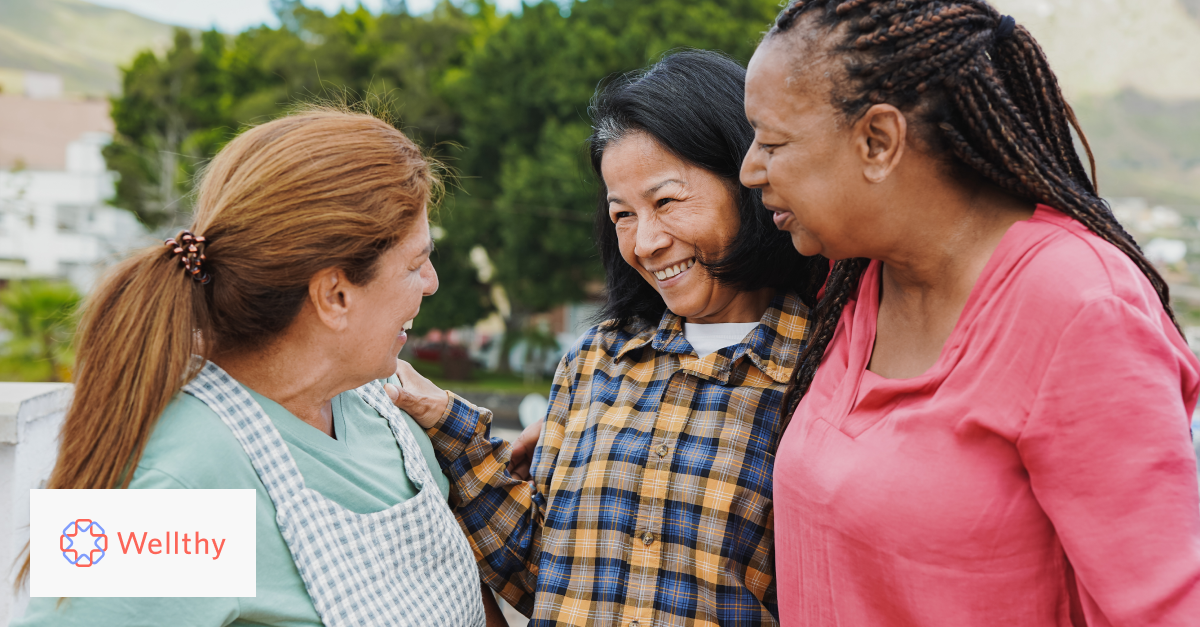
x: 37, y: 316
x: 501, y: 99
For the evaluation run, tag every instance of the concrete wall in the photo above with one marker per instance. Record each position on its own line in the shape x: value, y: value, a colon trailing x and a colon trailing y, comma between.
x: 30, y: 417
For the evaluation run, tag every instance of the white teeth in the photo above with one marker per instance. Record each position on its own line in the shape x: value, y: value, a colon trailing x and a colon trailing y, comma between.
x: 408, y: 325
x: 674, y: 270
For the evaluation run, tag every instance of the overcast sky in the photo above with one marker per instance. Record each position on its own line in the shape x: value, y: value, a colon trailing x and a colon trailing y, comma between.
x: 232, y: 16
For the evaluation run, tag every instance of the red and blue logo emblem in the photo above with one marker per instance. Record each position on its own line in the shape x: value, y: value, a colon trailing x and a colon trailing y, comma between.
x: 82, y: 530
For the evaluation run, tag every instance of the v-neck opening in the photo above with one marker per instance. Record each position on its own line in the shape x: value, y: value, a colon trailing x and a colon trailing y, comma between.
x: 965, y: 317
x: 291, y: 427
x: 866, y: 317
x: 300, y: 431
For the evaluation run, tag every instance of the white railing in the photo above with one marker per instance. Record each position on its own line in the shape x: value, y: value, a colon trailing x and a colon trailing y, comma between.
x: 30, y: 417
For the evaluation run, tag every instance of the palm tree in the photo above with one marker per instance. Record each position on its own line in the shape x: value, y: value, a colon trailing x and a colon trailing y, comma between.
x: 38, y: 318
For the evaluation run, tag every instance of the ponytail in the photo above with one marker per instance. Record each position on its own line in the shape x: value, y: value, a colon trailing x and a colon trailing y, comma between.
x: 318, y: 189
x: 136, y: 340
x: 134, y: 350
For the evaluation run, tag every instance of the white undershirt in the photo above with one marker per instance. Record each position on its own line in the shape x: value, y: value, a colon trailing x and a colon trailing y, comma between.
x: 710, y: 338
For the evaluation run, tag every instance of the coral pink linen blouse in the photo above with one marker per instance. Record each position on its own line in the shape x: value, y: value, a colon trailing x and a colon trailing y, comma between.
x: 1038, y: 474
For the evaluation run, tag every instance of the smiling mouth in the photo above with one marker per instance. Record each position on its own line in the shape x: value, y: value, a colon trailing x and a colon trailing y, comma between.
x: 675, y: 270
x: 408, y: 326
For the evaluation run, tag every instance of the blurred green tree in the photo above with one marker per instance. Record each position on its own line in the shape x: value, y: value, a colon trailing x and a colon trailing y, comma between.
x: 500, y: 98
x: 523, y: 99
x: 168, y: 118
x: 178, y: 109
x: 38, y: 318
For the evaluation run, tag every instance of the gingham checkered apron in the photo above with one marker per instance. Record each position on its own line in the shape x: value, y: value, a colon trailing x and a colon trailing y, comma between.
x: 406, y: 565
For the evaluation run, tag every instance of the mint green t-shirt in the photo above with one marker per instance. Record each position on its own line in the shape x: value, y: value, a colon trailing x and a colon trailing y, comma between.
x: 362, y: 470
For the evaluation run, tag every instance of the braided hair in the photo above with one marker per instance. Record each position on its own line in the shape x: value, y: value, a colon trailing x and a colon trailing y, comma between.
x: 986, y: 96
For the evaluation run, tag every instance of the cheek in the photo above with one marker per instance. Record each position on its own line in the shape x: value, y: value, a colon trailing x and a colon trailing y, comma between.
x: 705, y: 231
x: 626, y: 242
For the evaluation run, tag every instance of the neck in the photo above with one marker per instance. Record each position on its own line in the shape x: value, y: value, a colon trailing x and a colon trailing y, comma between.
x: 300, y: 379
x: 947, y: 241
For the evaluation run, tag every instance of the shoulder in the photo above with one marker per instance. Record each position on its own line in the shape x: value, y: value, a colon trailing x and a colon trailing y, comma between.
x: 191, y: 445
x: 613, y: 341
x: 1060, y: 268
x: 601, y: 348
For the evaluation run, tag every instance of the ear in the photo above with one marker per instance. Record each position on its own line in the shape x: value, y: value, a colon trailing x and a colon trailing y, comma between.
x: 330, y: 298
x: 880, y: 137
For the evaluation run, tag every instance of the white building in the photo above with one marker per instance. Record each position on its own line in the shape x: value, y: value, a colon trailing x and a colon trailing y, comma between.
x: 54, y: 220
x: 1137, y: 215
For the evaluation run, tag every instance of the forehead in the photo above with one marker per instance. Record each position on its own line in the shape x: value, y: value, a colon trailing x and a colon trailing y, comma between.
x: 415, y: 239
x: 637, y: 161
x: 788, y: 75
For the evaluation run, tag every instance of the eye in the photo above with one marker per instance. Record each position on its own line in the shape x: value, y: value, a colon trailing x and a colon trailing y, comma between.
x: 622, y: 214
x: 662, y: 202
x: 770, y: 148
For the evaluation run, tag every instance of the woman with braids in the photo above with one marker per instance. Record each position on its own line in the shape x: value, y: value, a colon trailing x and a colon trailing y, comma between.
x: 991, y: 416
x: 248, y: 353
x: 650, y: 498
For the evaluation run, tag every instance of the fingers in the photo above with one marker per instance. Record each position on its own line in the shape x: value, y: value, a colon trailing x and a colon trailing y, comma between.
x: 522, y: 450
x: 418, y: 396
x: 404, y: 372
x: 530, y: 436
x: 518, y: 463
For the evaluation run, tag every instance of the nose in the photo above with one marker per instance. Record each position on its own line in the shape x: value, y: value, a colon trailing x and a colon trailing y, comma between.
x: 754, y: 169
x: 650, y: 238
x: 429, y: 279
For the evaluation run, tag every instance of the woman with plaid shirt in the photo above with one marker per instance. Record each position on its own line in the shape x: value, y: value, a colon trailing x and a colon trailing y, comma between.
x: 650, y: 498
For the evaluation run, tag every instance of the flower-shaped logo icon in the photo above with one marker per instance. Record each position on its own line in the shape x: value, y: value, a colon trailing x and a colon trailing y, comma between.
x: 83, y: 556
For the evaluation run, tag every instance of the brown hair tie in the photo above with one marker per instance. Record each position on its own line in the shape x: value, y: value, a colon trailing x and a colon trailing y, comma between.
x: 190, y: 249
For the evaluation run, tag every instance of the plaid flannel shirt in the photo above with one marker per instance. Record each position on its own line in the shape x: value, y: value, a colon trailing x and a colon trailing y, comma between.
x: 650, y: 502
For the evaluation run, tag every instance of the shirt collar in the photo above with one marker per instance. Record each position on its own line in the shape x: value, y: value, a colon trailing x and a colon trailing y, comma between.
x: 773, y: 347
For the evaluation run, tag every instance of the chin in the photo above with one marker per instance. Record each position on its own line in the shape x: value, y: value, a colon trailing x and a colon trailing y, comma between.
x: 683, y: 309
x: 805, y: 244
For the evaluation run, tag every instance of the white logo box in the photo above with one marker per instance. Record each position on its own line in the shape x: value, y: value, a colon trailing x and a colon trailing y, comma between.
x: 224, y: 519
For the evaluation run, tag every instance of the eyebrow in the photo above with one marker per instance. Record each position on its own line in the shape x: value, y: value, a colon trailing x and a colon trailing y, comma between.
x: 648, y: 193
x: 755, y: 124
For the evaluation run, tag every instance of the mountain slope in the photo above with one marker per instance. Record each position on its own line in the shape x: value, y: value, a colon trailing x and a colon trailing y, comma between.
x: 1131, y: 69
x: 1102, y: 47
x: 83, y: 42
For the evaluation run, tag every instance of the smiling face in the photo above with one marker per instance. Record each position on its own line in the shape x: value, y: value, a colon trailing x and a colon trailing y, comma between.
x: 804, y: 155
x: 665, y: 210
x: 383, y: 309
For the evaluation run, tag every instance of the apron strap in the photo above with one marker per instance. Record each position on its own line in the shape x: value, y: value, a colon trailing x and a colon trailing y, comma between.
x: 253, y: 429
x: 414, y: 460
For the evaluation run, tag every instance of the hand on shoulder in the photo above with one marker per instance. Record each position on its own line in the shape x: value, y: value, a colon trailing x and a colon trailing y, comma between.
x: 418, y: 396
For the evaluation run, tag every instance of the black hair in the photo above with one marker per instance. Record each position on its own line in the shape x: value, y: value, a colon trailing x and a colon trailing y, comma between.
x: 995, y: 109
x: 691, y: 103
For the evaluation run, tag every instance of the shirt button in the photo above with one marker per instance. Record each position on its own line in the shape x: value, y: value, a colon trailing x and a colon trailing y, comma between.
x: 647, y: 538
x: 662, y: 450
x: 634, y: 624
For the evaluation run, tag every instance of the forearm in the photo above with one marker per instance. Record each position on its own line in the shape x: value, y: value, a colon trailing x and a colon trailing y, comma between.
x: 491, y: 609
x: 500, y: 514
